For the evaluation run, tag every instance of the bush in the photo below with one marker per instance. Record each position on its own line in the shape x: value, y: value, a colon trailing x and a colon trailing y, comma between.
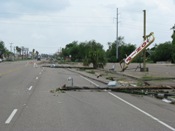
x: 173, y: 58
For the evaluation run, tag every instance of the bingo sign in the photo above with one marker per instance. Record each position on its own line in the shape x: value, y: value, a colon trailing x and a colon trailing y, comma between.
x: 136, y: 51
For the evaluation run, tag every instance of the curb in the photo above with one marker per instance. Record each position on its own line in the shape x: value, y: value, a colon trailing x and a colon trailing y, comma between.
x: 88, y: 76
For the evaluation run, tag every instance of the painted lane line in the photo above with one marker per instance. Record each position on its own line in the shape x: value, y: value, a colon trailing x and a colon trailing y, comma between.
x: 36, y: 78
x: 147, y: 114
x: 40, y: 73
x: 11, y: 116
x: 90, y: 81
x: 30, y: 88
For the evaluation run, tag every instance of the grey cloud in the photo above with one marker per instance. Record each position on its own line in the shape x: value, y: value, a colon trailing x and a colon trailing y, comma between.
x: 51, y: 5
x: 32, y: 6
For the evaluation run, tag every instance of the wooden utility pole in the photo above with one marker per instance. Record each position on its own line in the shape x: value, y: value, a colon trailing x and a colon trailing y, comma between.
x: 117, y: 43
x: 144, y: 36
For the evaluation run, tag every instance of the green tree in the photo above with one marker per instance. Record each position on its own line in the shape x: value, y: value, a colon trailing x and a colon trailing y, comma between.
x: 163, y: 52
x: 111, y: 52
x: 71, y: 50
x: 173, y: 57
x: 2, y: 48
x: 96, y: 54
x: 7, y: 53
x: 83, y: 51
x: 173, y: 37
x: 87, y: 52
x: 124, y: 50
x: 173, y: 43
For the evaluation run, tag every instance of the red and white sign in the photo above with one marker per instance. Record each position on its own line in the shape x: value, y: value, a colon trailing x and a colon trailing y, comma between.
x: 137, y: 51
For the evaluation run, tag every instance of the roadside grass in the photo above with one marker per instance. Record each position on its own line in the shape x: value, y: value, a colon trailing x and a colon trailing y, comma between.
x: 149, y: 78
x: 90, y: 71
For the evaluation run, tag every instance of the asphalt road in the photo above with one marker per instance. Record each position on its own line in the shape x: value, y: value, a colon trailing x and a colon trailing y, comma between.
x: 26, y: 104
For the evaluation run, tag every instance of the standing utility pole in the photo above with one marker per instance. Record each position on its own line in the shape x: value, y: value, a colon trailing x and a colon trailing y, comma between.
x: 117, y: 34
x: 144, y: 36
x: 11, y: 46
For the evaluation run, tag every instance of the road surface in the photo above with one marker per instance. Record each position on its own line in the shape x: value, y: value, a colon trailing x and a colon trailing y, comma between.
x: 26, y: 104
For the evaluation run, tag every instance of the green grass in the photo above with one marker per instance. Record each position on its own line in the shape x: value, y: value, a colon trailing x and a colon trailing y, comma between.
x: 91, y: 71
x: 110, y: 78
x: 154, y: 78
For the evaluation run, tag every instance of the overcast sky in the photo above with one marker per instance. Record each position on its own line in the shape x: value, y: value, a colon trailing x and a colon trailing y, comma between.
x: 47, y: 26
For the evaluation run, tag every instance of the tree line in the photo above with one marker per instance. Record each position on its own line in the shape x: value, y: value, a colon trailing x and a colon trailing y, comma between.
x: 3, y: 50
x: 18, y: 52
x: 86, y: 52
x: 93, y: 52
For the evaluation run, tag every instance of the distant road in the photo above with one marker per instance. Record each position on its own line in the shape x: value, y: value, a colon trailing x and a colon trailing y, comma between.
x: 26, y: 104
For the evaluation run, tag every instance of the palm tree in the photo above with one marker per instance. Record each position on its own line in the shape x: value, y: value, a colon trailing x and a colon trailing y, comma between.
x: 18, y: 50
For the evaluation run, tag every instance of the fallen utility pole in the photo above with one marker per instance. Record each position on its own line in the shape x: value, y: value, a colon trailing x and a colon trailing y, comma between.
x: 118, y: 88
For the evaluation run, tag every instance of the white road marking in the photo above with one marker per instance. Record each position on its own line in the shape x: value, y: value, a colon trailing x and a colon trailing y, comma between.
x: 147, y: 114
x: 36, y: 78
x: 11, y: 116
x: 30, y: 88
x: 35, y: 65
x: 40, y: 73
x: 90, y: 81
